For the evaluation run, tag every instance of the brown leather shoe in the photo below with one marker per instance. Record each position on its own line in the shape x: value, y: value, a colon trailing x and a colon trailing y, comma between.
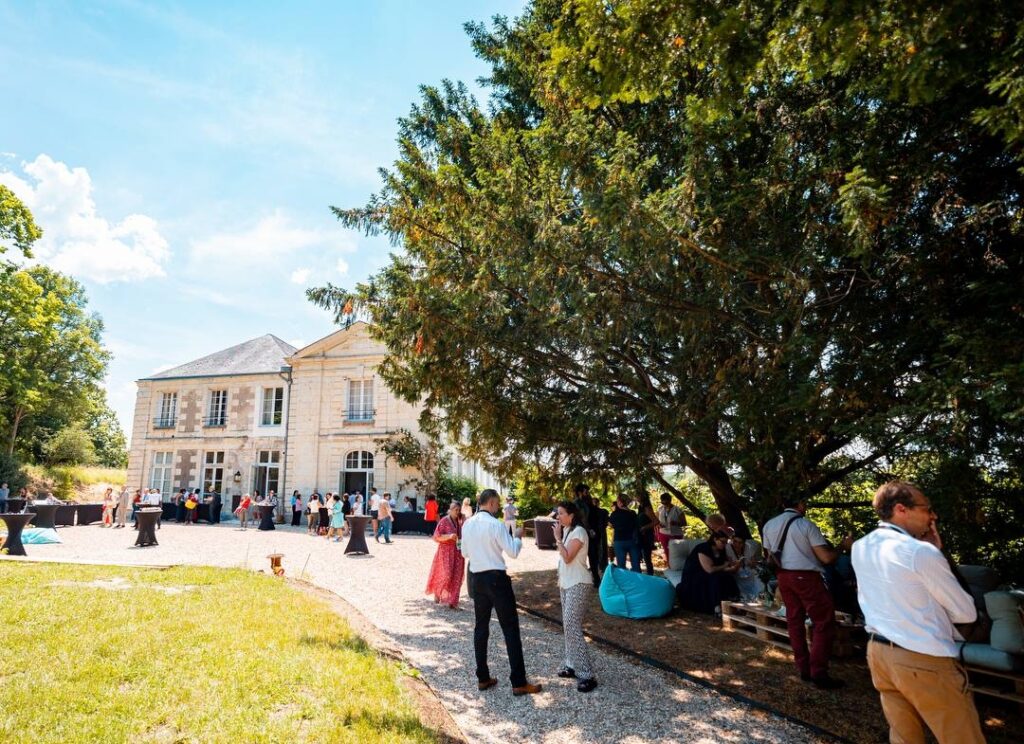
x: 526, y: 689
x: 486, y: 685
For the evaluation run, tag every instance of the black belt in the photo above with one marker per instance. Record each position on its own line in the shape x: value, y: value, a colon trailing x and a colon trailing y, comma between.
x: 879, y: 638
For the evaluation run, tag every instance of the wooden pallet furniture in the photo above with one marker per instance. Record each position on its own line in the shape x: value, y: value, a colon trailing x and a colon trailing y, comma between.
x: 767, y: 625
x: 985, y: 681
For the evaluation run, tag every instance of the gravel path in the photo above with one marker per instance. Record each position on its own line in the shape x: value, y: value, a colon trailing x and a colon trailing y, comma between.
x: 634, y: 703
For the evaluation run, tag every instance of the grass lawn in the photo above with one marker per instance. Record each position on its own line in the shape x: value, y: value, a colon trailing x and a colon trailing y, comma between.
x: 186, y: 655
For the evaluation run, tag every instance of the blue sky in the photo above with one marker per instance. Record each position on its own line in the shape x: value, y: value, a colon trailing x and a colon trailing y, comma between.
x: 181, y: 158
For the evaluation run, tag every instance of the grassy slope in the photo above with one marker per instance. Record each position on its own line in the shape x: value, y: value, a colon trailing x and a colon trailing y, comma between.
x: 241, y: 657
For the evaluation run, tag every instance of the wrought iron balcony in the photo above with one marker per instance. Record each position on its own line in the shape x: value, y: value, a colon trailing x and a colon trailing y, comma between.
x: 165, y: 422
x: 215, y: 421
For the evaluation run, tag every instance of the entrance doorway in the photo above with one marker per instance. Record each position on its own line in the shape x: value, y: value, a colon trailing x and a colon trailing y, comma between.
x: 357, y: 475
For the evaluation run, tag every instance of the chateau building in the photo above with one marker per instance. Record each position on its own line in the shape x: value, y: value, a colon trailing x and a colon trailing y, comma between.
x: 265, y: 416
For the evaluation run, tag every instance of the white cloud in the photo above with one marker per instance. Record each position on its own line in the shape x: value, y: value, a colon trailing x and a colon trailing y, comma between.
x: 76, y: 239
x: 268, y: 242
x: 342, y: 267
x: 300, y: 276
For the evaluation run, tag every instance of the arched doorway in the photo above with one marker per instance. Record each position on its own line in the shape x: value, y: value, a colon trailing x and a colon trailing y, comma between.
x: 358, y: 473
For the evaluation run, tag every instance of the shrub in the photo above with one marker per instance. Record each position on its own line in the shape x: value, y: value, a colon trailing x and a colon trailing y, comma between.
x: 70, y: 446
x: 65, y: 488
x: 455, y: 488
x: 12, y: 473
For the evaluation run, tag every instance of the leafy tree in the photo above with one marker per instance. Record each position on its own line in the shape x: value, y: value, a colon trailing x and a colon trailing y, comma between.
x: 71, y: 446
x: 51, y: 357
x: 777, y: 244
x: 16, y: 224
x: 12, y: 473
x: 409, y: 451
x: 108, y: 439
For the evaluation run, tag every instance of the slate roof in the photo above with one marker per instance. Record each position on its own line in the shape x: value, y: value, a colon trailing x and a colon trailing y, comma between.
x: 264, y: 354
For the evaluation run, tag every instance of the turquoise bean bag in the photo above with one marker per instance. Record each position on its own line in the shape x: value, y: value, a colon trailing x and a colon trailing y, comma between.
x: 635, y: 595
x: 39, y: 536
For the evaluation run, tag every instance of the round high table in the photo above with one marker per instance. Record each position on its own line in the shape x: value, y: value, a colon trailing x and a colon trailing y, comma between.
x: 45, y: 514
x: 145, y: 520
x: 357, y: 543
x: 15, y: 524
x: 266, y: 517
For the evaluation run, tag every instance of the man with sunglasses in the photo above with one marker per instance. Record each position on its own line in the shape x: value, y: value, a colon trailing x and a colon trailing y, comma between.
x: 910, y: 600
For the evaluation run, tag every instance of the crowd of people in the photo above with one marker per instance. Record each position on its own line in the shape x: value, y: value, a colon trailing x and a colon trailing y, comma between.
x: 907, y: 589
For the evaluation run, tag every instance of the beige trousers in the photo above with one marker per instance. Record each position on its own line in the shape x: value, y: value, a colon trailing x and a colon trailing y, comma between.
x: 918, y: 689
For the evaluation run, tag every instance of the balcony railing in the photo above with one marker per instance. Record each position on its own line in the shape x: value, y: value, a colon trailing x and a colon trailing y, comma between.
x: 215, y: 421
x: 165, y: 422
x: 358, y: 415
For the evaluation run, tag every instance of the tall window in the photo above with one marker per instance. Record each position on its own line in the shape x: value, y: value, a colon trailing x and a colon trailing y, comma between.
x: 268, y: 470
x: 217, y: 412
x: 360, y: 400
x: 160, y: 472
x: 167, y: 411
x: 213, y: 472
x: 272, y: 411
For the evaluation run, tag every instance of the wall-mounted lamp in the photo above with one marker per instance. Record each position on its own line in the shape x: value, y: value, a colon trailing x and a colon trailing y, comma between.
x: 238, y: 476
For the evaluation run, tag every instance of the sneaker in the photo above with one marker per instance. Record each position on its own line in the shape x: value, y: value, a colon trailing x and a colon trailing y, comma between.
x: 567, y: 673
x: 827, y: 683
x: 527, y: 689
x: 488, y: 684
x: 587, y: 685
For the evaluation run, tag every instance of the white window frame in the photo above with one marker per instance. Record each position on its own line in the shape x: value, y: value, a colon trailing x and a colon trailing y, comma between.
x: 275, y: 395
x: 360, y: 400
x: 167, y: 411
x: 217, y: 408
x: 212, y: 462
x: 161, y: 471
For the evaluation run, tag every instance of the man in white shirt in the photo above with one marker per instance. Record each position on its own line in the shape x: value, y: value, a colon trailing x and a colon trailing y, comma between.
x: 910, y: 601
x: 373, y: 504
x: 805, y: 552
x: 484, y: 539
x: 152, y: 497
x: 510, y: 512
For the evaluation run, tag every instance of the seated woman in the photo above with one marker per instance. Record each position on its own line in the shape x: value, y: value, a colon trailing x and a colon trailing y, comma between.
x: 748, y: 554
x: 708, y: 578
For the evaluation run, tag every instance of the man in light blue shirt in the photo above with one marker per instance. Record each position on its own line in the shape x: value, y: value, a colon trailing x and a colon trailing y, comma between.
x: 484, y: 539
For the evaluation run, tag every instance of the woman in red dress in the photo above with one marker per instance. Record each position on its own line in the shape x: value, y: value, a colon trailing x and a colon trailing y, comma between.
x: 446, y: 572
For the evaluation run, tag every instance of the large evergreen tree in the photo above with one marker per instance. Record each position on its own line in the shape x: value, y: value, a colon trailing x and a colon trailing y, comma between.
x: 773, y: 242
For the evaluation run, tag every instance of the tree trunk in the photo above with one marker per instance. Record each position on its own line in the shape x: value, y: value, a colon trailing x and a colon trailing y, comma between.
x: 19, y: 415
x: 727, y: 500
x: 694, y: 509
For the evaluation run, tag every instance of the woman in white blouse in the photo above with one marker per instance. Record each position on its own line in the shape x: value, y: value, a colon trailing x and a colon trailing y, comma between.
x: 575, y: 587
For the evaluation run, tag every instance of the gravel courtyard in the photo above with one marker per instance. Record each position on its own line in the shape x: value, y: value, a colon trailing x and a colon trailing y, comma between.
x: 634, y: 703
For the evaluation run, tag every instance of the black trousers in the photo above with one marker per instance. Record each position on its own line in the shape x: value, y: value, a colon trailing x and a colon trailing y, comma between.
x: 493, y: 590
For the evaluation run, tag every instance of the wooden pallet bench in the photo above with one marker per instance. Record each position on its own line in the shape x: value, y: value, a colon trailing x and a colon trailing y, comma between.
x: 766, y: 625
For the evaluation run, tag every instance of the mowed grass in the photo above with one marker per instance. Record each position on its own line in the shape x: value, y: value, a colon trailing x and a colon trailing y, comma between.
x: 186, y: 655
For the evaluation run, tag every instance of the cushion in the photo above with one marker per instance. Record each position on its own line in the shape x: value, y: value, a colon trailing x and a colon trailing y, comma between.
x: 635, y: 595
x: 1005, y: 609
x: 983, y: 655
x: 980, y: 579
x: 39, y: 536
x: 679, y: 550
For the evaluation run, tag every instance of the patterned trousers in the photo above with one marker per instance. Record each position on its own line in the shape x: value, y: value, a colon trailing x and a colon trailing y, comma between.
x: 574, y: 607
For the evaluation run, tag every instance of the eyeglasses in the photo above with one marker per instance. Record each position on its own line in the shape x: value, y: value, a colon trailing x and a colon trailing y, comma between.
x: 928, y: 507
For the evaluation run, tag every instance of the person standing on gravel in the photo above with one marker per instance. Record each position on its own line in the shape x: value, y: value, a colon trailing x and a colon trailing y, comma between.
x: 484, y: 539
x: 574, y: 587
x: 124, y: 501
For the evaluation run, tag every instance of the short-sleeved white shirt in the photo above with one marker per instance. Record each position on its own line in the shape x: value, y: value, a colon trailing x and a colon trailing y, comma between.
x: 575, y: 572
x: 797, y: 553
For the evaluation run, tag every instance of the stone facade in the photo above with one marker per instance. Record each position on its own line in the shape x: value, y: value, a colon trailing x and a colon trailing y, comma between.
x: 334, y: 408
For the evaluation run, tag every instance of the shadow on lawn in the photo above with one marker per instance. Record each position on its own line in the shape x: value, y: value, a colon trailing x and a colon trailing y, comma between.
x: 350, y: 643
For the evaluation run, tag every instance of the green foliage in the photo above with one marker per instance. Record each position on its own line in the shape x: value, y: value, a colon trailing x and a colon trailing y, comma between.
x: 64, y: 489
x: 456, y: 488
x: 16, y: 223
x: 71, y: 446
x: 12, y: 473
x: 768, y: 243
x: 409, y: 451
x: 52, y: 361
x: 108, y: 439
